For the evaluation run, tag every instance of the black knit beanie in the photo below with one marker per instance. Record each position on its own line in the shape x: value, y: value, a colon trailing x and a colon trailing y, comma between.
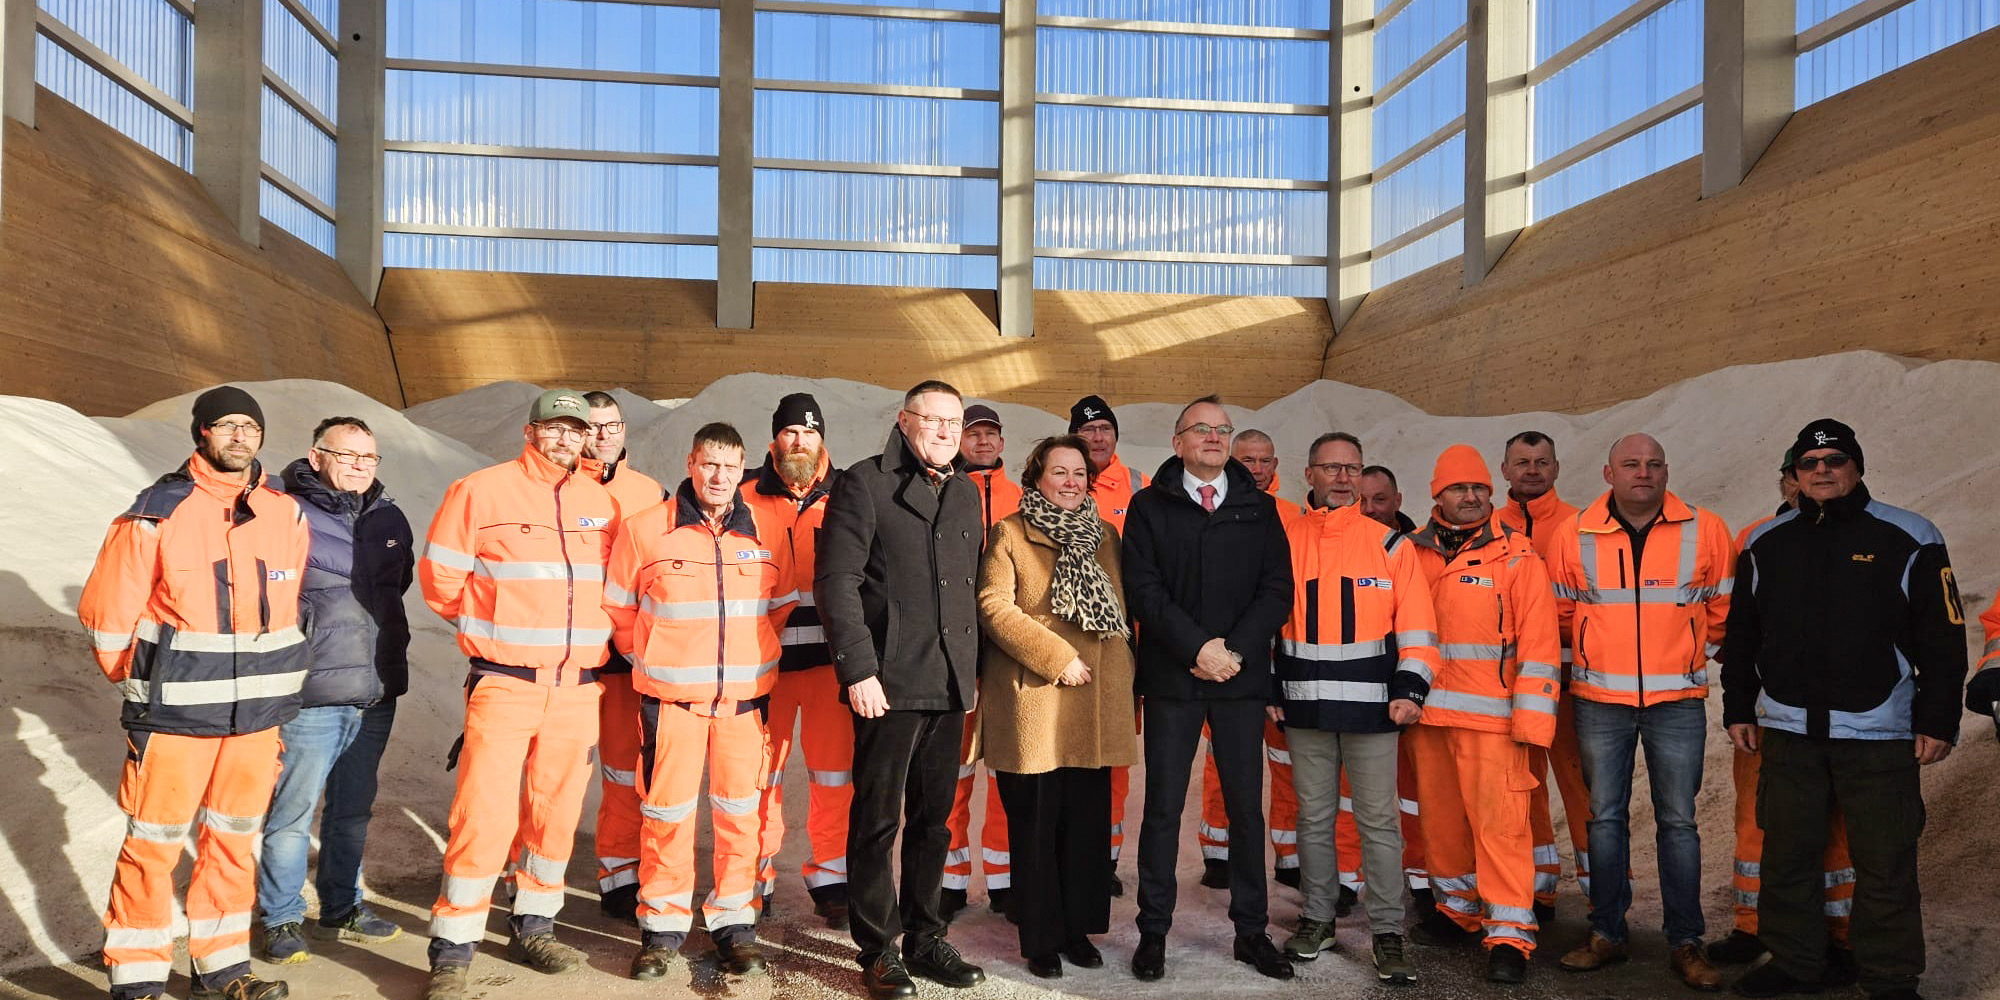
x: 220, y: 402
x: 1827, y: 432
x: 1091, y: 408
x: 799, y: 409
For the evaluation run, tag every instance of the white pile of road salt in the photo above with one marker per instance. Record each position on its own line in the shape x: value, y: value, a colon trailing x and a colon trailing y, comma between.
x: 1927, y: 430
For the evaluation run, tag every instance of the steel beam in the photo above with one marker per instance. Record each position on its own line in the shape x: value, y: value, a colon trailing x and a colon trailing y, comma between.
x: 1017, y: 168
x: 735, y: 291
x: 1350, y: 233
x: 1748, y: 88
x: 229, y: 103
x: 357, y: 237
x: 1499, y: 47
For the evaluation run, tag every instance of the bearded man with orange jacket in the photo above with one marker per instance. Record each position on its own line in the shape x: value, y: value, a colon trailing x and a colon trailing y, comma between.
x: 515, y: 560
x: 192, y: 610
x: 1494, y: 699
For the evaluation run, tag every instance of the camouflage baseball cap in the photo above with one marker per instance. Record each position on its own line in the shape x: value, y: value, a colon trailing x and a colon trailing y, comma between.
x: 554, y: 404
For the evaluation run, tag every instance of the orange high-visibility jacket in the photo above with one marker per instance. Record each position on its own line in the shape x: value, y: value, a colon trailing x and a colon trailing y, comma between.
x: 515, y: 559
x: 1642, y: 634
x: 1287, y: 510
x: 1537, y: 519
x: 1498, y: 637
x: 793, y: 521
x: 193, y: 605
x: 1116, y: 485
x: 1984, y: 688
x: 998, y: 495
x: 633, y: 490
x: 1362, y: 632
x: 699, y: 610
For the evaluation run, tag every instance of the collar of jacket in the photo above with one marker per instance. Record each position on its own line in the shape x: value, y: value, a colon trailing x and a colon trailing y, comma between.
x: 539, y: 469
x: 898, y: 456
x: 1838, y: 508
x: 1242, y: 485
x: 1273, y: 488
x: 601, y: 471
x: 1597, y: 518
x: 989, y: 471
x: 688, y: 512
x: 212, y: 481
x: 302, y: 481
x: 767, y: 481
x: 1488, y: 532
x: 1542, y: 508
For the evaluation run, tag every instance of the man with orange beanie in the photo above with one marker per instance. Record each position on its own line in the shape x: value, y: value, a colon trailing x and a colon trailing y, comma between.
x: 1494, y: 697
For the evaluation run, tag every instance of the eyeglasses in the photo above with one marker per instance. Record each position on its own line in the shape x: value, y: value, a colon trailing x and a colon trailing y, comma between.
x: 1350, y: 469
x: 359, y: 460
x: 222, y: 429
x: 1204, y: 430
x: 1833, y: 461
x: 564, y: 431
x: 931, y: 423
x: 608, y: 427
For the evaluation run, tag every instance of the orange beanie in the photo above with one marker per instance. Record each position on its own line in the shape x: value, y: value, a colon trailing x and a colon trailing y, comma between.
x: 1460, y: 463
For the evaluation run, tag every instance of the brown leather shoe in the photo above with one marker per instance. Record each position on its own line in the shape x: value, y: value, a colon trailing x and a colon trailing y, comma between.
x: 1691, y: 964
x: 1596, y: 952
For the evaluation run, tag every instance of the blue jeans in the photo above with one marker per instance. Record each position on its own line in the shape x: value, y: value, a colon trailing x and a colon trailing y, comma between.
x: 332, y: 750
x: 1673, y: 734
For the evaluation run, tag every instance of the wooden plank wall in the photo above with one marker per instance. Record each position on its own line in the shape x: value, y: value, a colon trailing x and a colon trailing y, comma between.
x: 121, y: 284
x: 454, y: 330
x: 1872, y: 223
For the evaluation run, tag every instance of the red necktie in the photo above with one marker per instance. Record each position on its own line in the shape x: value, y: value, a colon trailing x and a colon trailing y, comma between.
x: 1207, y: 498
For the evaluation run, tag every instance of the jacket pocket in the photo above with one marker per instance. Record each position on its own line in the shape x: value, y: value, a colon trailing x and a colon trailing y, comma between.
x: 892, y: 634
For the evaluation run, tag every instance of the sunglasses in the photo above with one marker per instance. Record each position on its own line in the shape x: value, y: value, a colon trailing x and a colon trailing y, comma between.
x: 1833, y: 461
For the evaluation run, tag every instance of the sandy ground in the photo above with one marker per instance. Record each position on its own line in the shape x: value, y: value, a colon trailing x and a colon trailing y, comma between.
x: 1926, y: 428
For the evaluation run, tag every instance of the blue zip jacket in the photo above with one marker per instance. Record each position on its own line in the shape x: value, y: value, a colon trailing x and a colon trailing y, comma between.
x: 362, y: 561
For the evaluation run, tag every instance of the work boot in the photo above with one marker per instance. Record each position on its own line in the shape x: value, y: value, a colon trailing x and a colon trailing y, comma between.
x: 1421, y: 900
x: 285, y: 944
x: 1506, y: 964
x: 996, y: 900
x: 833, y: 910
x: 448, y: 982
x: 360, y: 926
x: 243, y: 987
x: 1738, y: 948
x: 621, y: 903
x: 1691, y: 965
x: 1117, y: 885
x: 1286, y: 876
x: 1841, y: 967
x: 1392, y: 966
x: 1343, y: 904
x: 655, y: 962
x: 1545, y: 914
x: 951, y: 902
x: 1596, y: 952
x: 1768, y: 980
x: 742, y: 957
x: 543, y: 953
x: 1435, y: 930
x: 1214, y: 874
x: 1311, y: 938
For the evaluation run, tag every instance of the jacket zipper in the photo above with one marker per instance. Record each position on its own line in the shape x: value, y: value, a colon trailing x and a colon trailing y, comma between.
x: 569, y: 583
x: 1638, y: 625
x: 721, y: 624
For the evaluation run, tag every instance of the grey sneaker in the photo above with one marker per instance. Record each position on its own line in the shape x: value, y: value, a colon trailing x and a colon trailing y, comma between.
x: 1391, y: 965
x: 285, y: 944
x: 1312, y: 937
x: 360, y: 926
x: 543, y: 953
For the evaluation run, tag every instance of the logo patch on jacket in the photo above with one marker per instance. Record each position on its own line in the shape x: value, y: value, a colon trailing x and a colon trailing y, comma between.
x: 592, y: 522
x: 278, y: 574
x: 748, y: 555
x: 1867, y: 557
x: 1659, y: 583
x: 1477, y: 581
x: 1378, y: 582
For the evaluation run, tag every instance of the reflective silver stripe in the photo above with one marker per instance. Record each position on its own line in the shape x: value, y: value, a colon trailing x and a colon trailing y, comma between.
x: 547, y: 871
x: 1748, y: 899
x: 695, y: 610
x: 1284, y: 836
x: 1456, y: 883
x: 964, y: 771
x: 449, y: 558
x: 1545, y: 854
x: 537, y: 902
x: 1332, y: 652
x: 1408, y: 806
x: 1461, y: 904
x: 214, y: 927
x: 999, y: 880
x: 952, y: 881
x: 666, y: 923
x: 1346, y: 804
x: 706, y: 674
x: 468, y: 890
x: 538, y: 570
x: 1502, y: 932
x: 668, y: 814
x: 158, y: 833
x: 1469, y: 651
x: 1535, y: 703
x: 1689, y: 539
x: 618, y: 596
x: 216, y: 961
x: 480, y: 628
x: 1278, y: 755
x: 1540, y: 671
x: 816, y: 879
x: 1511, y: 914
x: 618, y: 880
x: 1839, y: 876
x: 1287, y: 861
x: 1212, y: 852
x: 127, y: 973
x: 1840, y: 907
x: 1418, y: 667
x: 993, y: 857
x: 617, y: 777
x: 225, y: 823
x: 614, y: 864
x: 830, y: 779
x: 109, y: 642
x: 1359, y: 691
x: 801, y: 635
x: 958, y: 856
x: 1698, y: 678
x: 677, y: 906
x: 1992, y: 646
x: 1626, y: 595
x: 1545, y: 883
x: 466, y: 928
x: 225, y: 642
x: 1215, y: 833
x: 1586, y: 553
x: 729, y: 902
x: 1416, y: 637
x: 221, y: 691
x: 837, y: 866
x: 739, y: 806
x: 1749, y: 869
x: 806, y: 599
x: 133, y: 689
x: 138, y: 937
x: 1474, y: 704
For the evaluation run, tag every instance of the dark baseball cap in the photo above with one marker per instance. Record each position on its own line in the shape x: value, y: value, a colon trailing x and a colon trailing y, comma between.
x: 980, y: 413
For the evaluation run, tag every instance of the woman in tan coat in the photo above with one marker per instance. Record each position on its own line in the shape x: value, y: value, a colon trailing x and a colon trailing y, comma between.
x: 1055, y: 679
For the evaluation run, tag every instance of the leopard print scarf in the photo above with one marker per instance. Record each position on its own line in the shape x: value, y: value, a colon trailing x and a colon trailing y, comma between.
x: 1081, y: 592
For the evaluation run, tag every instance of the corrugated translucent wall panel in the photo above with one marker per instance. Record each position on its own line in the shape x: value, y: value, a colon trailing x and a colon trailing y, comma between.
x: 1179, y: 219
x: 1197, y: 143
x: 1426, y: 187
x: 280, y: 208
x: 554, y: 114
x: 1180, y: 279
x: 1415, y: 30
x: 862, y: 128
x: 1146, y: 64
x: 1429, y: 251
x: 504, y: 192
x: 981, y: 6
x: 881, y: 208
x: 1640, y: 67
x: 484, y: 253
x: 1262, y: 13
x: 299, y: 59
x: 326, y: 12
x: 1430, y: 102
x: 151, y: 37
x: 1676, y: 139
x: 566, y: 33
x: 297, y: 148
x: 843, y: 49
x: 871, y: 267
x: 69, y: 78
x: 1898, y: 39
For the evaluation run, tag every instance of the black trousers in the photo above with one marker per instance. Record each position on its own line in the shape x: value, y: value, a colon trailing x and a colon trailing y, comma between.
x: 905, y: 773
x: 1059, y: 835
x: 1874, y: 782
x: 1173, y: 733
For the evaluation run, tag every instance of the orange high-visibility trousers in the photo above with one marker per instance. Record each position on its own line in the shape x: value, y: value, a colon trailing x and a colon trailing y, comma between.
x: 1473, y: 793
x: 1347, y: 836
x: 524, y: 769
x: 809, y: 700
x: 617, y: 767
x: 1561, y: 762
x: 218, y: 788
x: 738, y: 758
x: 1750, y: 854
x: 995, y: 857
x: 1282, y: 817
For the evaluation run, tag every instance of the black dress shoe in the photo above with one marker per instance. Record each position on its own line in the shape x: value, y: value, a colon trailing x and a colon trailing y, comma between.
x: 1045, y: 966
x: 939, y: 962
x: 1117, y: 885
x: 741, y: 958
x: 1214, y: 874
x: 996, y: 901
x: 1257, y: 950
x: 1506, y: 964
x: 1082, y: 954
x: 886, y: 979
x: 1149, y: 960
